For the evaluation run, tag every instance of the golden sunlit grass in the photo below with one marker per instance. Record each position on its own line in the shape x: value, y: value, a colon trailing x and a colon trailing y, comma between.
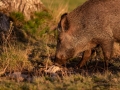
x: 57, y: 9
x: 72, y: 4
x: 57, y: 12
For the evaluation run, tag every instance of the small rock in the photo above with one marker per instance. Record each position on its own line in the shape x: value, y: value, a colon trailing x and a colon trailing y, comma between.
x: 18, y: 76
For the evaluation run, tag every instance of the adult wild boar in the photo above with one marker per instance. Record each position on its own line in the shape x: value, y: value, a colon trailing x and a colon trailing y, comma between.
x: 96, y: 22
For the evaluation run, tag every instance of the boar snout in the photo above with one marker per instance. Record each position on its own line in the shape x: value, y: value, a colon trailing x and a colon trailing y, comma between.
x: 60, y: 55
x: 60, y: 58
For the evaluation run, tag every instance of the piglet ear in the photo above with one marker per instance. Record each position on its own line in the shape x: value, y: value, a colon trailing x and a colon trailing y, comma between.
x: 63, y: 24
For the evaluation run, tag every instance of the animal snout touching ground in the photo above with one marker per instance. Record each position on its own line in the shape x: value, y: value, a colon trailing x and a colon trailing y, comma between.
x: 60, y: 56
x: 60, y: 59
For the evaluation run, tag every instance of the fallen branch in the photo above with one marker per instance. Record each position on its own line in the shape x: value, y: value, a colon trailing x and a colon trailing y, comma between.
x: 3, y: 71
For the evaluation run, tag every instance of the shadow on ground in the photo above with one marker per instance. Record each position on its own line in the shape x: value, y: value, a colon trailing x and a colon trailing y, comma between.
x: 96, y: 66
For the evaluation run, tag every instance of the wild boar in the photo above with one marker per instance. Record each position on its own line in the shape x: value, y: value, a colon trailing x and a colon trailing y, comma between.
x: 96, y: 22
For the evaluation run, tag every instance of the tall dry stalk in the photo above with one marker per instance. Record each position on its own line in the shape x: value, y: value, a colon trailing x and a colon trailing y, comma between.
x: 5, y: 39
x: 58, y: 10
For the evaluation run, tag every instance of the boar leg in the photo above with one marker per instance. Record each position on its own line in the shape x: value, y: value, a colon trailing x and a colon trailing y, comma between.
x: 107, y: 47
x: 87, y: 54
x: 85, y: 57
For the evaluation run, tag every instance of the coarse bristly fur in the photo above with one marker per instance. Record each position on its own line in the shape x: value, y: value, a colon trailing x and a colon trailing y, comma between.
x: 96, y: 22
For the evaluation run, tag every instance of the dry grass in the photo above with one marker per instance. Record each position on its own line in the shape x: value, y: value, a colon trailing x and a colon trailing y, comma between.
x: 13, y: 57
x: 58, y: 9
x: 95, y: 81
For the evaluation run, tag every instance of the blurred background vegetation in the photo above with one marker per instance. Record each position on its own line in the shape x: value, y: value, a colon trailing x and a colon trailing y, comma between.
x: 62, y: 6
x: 70, y: 3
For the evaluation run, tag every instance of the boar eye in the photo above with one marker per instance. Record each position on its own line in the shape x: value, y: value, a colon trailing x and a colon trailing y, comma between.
x: 59, y: 29
x: 59, y: 40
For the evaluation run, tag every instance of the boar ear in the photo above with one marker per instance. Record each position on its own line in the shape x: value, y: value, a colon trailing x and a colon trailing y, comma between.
x: 63, y: 24
x: 64, y: 15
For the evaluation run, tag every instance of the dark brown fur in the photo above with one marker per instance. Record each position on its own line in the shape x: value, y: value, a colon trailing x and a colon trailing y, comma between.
x: 96, y: 22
